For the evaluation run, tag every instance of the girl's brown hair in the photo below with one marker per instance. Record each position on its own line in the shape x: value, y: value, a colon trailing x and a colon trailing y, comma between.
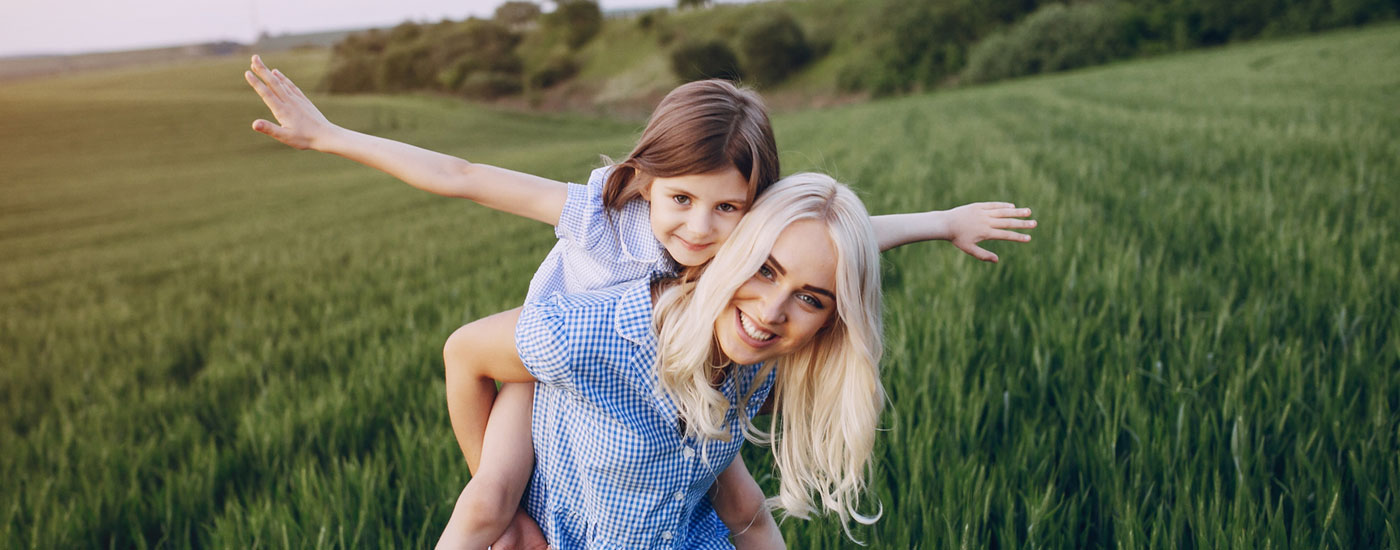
x: 700, y: 127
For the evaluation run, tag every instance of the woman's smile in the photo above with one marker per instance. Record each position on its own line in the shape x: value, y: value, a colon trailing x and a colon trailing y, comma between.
x: 753, y: 335
x: 782, y: 307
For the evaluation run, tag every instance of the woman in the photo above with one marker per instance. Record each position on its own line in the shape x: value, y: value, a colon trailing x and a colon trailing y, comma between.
x: 639, y: 408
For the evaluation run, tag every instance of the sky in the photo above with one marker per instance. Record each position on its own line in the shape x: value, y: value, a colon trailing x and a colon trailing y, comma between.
x: 80, y: 26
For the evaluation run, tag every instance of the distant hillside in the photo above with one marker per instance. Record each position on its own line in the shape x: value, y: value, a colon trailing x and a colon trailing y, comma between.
x: 42, y: 65
x: 12, y: 68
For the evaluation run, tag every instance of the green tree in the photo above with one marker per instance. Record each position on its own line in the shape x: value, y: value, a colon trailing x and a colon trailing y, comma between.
x: 773, y: 47
x: 580, y: 21
x: 517, y: 14
x: 699, y: 60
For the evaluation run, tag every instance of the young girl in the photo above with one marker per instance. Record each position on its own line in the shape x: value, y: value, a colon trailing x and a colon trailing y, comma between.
x: 706, y: 153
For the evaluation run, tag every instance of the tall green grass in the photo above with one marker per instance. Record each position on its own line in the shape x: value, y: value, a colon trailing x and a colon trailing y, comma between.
x: 211, y: 340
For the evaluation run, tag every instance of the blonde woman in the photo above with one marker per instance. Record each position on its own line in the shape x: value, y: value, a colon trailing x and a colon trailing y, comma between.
x: 640, y: 407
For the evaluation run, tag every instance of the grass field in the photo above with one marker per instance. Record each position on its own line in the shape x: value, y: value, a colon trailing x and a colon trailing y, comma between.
x: 211, y: 340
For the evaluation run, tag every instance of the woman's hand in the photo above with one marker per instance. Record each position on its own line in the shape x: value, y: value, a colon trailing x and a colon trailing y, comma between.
x: 301, y: 123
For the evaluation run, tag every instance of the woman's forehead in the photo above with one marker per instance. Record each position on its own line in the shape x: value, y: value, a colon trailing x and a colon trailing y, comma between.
x: 804, y: 251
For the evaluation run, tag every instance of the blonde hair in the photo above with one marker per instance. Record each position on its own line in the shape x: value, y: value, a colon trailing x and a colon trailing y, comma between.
x: 828, y: 394
x: 699, y: 128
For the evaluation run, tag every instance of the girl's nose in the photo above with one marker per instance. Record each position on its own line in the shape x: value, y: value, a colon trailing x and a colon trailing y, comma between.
x: 700, y: 224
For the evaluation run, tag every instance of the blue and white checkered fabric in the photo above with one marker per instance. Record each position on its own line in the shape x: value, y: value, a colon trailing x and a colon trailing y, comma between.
x: 612, y: 468
x: 598, y: 249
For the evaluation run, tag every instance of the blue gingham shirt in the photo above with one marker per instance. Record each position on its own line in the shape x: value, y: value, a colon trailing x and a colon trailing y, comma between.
x: 612, y: 468
x: 597, y: 248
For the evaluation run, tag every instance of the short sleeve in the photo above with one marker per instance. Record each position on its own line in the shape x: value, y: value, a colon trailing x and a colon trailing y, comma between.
x: 542, y: 340
x: 582, y: 220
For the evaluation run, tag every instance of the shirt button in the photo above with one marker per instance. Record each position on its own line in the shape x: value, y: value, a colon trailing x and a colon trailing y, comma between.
x: 666, y: 535
x: 688, y: 452
x: 680, y: 495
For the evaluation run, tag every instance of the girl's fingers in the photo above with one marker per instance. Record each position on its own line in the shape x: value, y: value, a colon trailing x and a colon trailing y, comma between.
x: 265, y: 127
x: 1013, y: 223
x: 283, y: 83
x: 277, y: 132
x: 1010, y: 212
x: 265, y: 74
x: 993, y: 205
x: 1002, y: 235
x: 260, y: 87
x: 980, y: 253
x: 274, y: 81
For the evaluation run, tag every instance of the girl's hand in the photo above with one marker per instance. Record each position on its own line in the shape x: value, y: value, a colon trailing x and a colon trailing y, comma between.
x: 973, y: 223
x: 302, y: 124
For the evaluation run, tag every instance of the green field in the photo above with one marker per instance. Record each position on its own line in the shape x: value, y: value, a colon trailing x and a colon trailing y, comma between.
x: 211, y: 340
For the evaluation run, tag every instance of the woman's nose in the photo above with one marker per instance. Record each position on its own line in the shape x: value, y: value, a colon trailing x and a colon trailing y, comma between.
x: 770, y: 310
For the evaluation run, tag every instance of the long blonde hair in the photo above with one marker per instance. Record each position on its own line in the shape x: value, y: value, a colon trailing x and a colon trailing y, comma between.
x: 828, y: 394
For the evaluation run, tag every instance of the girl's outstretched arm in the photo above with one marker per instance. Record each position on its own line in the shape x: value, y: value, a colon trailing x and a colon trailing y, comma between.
x: 301, y: 125
x: 965, y: 226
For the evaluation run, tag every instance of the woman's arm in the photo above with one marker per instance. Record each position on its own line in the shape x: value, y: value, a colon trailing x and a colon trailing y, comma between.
x: 965, y: 226
x: 301, y: 125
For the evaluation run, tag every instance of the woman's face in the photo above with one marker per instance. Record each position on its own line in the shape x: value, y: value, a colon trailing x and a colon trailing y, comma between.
x: 780, y: 309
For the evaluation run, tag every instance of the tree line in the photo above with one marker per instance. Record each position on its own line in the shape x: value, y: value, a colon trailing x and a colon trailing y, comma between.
x: 902, y: 45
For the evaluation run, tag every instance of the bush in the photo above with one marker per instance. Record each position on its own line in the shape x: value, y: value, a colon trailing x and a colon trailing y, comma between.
x: 472, y: 47
x: 579, y: 20
x: 489, y: 85
x: 1054, y: 38
x: 920, y: 45
x: 558, y: 68
x: 699, y: 60
x: 404, y: 66
x: 517, y: 14
x: 650, y: 19
x: 352, y: 76
x: 773, y: 48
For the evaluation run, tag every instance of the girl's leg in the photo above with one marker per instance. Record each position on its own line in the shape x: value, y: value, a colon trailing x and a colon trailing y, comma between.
x: 490, y: 500
x: 475, y: 356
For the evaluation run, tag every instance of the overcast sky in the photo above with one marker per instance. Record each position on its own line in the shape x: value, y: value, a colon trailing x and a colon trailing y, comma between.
x: 77, y: 26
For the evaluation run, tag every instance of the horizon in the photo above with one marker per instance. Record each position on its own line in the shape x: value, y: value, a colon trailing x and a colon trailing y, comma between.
x: 33, y: 28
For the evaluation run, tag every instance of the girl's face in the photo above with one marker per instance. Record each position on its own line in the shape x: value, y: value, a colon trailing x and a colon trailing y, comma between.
x: 783, y: 306
x: 692, y: 215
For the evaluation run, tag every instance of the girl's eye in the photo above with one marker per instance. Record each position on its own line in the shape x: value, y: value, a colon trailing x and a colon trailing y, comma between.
x: 765, y: 272
x: 726, y: 207
x: 682, y: 200
x: 811, y: 300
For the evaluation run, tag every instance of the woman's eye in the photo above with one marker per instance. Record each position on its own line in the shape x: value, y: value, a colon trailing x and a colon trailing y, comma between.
x: 765, y: 272
x: 682, y: 199
x: 811, y: 300
x: 726, y: 207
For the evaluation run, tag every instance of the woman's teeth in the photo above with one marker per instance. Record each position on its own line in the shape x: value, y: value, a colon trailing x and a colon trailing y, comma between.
x: 753, y: 331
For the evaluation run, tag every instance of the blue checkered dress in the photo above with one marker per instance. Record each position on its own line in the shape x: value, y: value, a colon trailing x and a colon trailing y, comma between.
x: 596, y: 248
x: 612, y: 468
